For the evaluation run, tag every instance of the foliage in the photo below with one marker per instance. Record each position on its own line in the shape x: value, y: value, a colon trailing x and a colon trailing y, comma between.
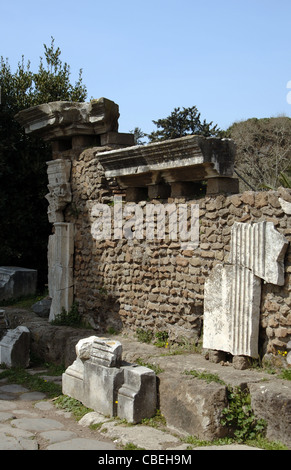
x: 156, y: 368
x: 263, y: 151
x: 70, y: 318
x: 72, y: 405
x: 208, y: 376
x: 20, y: 376
x: 181, y: 123
x: 23, y: 178
x: 286, y: 374
x: 162, y: 339
x: 240, y: 416
x: 144, y: 336
x: 138, y: 136
x: 157, y: 421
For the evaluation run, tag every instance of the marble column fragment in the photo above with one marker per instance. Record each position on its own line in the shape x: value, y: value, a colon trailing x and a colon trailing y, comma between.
x: 232, y: 310
x: 233, y: 292
x: 260, y: 248
x: 60, y: 268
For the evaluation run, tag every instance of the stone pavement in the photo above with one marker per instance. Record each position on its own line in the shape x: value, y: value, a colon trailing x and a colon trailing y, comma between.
x: 30, y: 421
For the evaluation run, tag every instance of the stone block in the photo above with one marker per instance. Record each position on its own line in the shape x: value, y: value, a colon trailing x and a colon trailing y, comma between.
x: 117, y: 138
x: 222, y: 185
x: 59, y: 188
x: 192, y: 406
x: 260, y: 248
x: 159, y: 191
x: 232, y: 310
x: 271, y: 401
x: 62, y: 119
x: 138, y: 395
x: 42, y: 308
x: 100, y: 380
x: 106, y: 352
x: 73, y: 380
x: 14, y: 347
x: 60, y: 268
x: 136, y: 194
x: 183, y: 188
x: 17, y: 282
x: 101, y: 385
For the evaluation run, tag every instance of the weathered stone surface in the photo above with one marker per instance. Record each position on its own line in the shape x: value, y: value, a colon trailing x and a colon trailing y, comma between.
x: 99, y: 381
x: 232, y: 310
x: 137, y: 398
x: 260, y: 248
x: 271, y: 401
x: 59, y: 188
x: 286, y: 206
x: 3, y: 321
x: 15, y: 347
x: 191, y: 158
x: 42, y: 307
x: 61, y: 119
x: 17, y: 282
x: 106, y: 352
x: 60, y: 264
x: 192, y: 405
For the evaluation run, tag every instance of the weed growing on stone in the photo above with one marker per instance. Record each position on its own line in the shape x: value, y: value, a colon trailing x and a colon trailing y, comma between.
x: 157, y: 370
x: 286, y: 374
x: 144, y: 336
x: 240, y: 417
x: 32, y: 382
x: 72, y: 405
x: 70, y: 318
x: 204, y: 376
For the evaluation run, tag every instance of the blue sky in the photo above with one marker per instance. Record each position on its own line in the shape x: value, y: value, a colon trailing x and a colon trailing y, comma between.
x: 231, y: 59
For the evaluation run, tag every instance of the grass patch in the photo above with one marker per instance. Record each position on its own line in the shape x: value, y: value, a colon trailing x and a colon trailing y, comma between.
x: 286, y: 374
x: 207, y: 376
x: 72, y: 405
x: 157, y: 369
x: 71, y: 318
x: 33, y: 382
x: 240, y: 417
x: 260, y: 443
x: 157, y: 421
x: 25, y: 302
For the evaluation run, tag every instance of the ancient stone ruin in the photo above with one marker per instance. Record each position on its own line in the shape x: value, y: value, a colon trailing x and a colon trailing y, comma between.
x: 101, y: 380
x: 234, y: 283
x: 17, y: 282
x: 233, y: 292
x: 14, y: 344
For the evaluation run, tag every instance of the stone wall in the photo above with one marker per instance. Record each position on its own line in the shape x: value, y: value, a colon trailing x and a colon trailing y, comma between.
x: 154, y: 284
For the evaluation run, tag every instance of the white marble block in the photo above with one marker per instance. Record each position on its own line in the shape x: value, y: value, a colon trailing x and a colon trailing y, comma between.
x: 232, y: 310
x: 261, y: 248
x: 60, y: 268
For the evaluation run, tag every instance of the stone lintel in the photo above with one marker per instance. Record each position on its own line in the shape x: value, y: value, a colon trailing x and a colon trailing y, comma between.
x: 192, y: 158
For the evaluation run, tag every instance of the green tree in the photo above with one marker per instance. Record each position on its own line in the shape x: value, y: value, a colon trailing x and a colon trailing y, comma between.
x: 138, y: 136
x: 23, y: 179
x: 181, y: 123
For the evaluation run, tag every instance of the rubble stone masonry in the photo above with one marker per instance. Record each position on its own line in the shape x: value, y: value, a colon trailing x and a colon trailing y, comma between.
x: 154, y: 284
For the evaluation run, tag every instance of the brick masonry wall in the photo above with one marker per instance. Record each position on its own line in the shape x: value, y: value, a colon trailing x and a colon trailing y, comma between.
x: 153, y: 284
